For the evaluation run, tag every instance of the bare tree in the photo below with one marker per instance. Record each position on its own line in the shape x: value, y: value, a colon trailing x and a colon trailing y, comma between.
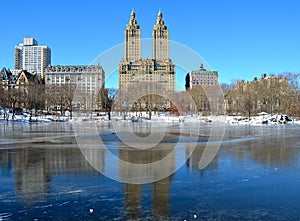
x: 35, y: 99
x: 4, y: 101
x: 200, y: 99
x: 108, y: 97
x: 60, y: 96
x: 12, y: 100
x: 274, y: 94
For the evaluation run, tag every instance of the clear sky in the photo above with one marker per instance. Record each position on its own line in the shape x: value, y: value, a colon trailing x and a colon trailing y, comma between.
x: 239, y: 38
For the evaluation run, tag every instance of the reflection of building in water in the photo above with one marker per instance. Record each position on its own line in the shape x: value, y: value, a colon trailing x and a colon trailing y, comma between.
x: 161, y: 197
x: 6, y: 161
x: 138, y: 165
x: 193, y: 156
x: 32, y: 175
x: 133, y: 201
x: 71, y: 160
x: 35, y: 166
x: 135, y: 165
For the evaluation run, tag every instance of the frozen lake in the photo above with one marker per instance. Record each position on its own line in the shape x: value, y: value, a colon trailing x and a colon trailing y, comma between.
x: 44, y: 175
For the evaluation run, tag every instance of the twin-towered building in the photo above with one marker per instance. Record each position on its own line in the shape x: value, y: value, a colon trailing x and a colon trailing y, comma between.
x: 159, y: 71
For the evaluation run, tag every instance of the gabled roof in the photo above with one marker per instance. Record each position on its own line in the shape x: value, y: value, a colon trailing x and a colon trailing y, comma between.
x: 26, y: 77
x: 5, y: 75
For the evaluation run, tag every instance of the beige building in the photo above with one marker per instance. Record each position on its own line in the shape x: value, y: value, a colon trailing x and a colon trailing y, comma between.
x: 87, y: 80
x: 158, y: 71
x: 266, y: 94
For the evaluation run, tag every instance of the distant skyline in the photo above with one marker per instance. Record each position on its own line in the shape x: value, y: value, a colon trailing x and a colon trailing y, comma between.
x: 240, y: 39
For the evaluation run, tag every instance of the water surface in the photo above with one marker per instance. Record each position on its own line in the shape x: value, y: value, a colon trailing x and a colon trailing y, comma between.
x: 44, y: 175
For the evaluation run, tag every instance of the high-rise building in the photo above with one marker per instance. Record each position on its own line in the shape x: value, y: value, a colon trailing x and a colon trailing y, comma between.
x: 158, y: 71
x: 32, y: 57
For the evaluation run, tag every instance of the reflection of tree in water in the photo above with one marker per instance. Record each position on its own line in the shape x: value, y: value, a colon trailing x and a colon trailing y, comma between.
x: 141, y: 129
x: 274, y: 149
x: 32, y: 175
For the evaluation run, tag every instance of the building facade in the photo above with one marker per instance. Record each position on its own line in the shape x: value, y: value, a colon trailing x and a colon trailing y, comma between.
x: 32, y: 57
x: 201, y: 77
x: 158, y: 71
x: 203, y: 87
x: 84, y: 83
x: 271, y: 94
x: 8, y: 80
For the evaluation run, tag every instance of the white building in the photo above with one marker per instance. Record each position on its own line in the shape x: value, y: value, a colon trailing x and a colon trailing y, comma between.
x: 31, y: 57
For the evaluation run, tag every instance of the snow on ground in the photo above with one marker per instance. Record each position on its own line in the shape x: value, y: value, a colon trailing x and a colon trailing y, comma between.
x: 262, y: 118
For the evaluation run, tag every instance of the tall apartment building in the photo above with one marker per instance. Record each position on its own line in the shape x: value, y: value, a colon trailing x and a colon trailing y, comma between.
x: 32, y: 57
x: 87, y: 80
x: 158, y: 71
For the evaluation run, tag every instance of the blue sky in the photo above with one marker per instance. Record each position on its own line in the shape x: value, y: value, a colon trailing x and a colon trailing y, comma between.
x: 239, y: 38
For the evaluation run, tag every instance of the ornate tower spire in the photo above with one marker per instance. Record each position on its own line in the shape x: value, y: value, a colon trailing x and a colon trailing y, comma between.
x: 159, y: 20
x: 132, y: 17
x: 132, y: 39
x: 160, y: 37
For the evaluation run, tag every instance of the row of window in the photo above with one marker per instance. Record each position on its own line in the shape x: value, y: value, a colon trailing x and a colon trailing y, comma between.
x: 204, y: 74
x: 79, y: 78
x: 203, y: 83
x: 94, y: 71
x: 204, y: 78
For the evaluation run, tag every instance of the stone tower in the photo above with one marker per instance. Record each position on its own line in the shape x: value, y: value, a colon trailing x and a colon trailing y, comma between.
x: 132, y: 41
x: 160, y: 37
